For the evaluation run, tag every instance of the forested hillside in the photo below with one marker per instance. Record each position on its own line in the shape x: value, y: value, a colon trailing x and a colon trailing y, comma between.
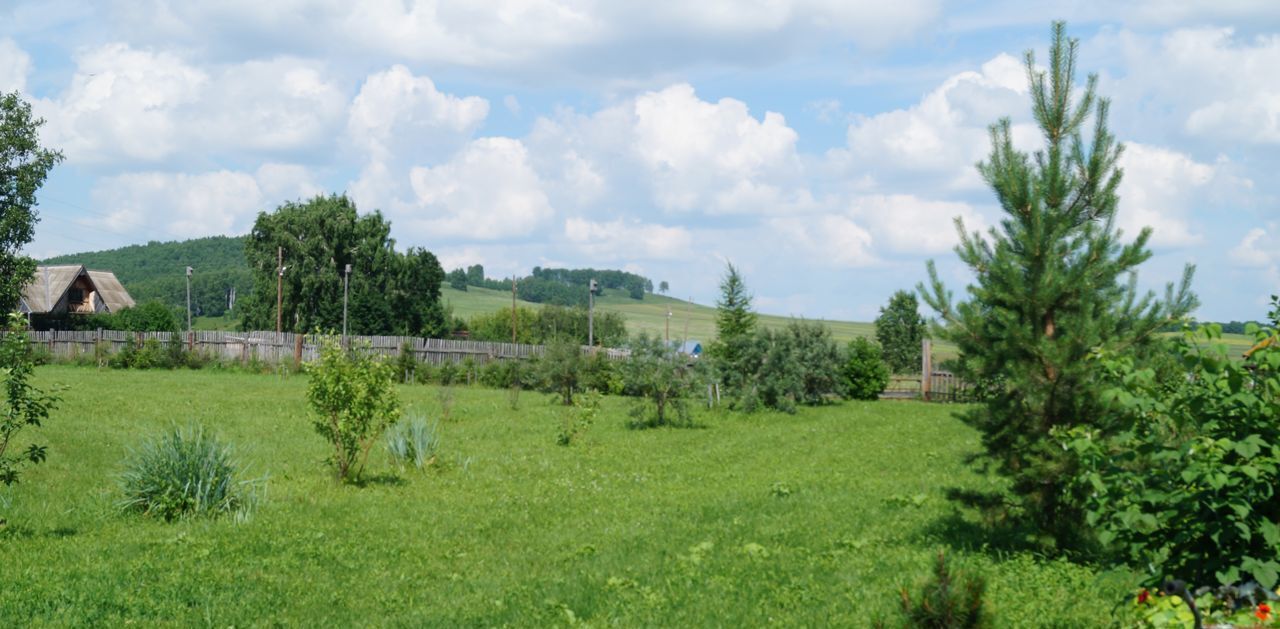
x: 156, y: 270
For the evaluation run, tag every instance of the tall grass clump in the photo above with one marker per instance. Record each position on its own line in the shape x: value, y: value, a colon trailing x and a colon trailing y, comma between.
x: 414, y: 442
x: 187, y: 473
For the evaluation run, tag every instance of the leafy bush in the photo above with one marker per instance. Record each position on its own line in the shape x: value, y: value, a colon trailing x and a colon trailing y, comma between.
x: 946, y: 602
x: 414, y: 442
x: 448, y: 373
x: 899, y: 331
x: 661, y: 381
x: 186, y: 473
x: 561, y: 369
x: 1183, y: 480
x: 601, y: 373
x: 24, y: 404
x: 800, y: 364
x: 406, y: 364
x: 575, y: 420
x: 864, y: 373
x: 353, y: 400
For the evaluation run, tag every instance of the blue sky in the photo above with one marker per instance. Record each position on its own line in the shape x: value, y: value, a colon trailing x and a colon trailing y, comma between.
x: 823, y: 146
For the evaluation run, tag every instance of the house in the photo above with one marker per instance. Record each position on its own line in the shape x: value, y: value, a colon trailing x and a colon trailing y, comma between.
x: 57, y: 292
x: 692, y: 349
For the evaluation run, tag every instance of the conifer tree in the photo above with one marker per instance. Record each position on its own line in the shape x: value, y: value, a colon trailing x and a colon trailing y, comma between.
x: 735, y: 331
x: 1055, y: 283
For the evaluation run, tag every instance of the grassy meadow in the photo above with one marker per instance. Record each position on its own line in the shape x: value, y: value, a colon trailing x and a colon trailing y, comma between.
x: 813, y: 519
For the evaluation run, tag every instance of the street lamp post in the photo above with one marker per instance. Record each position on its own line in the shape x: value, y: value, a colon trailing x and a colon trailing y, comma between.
x: 346, y: 280
x: 189, y: 300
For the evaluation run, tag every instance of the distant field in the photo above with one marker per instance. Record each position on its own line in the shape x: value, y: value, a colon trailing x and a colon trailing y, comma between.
x: 688, y: 320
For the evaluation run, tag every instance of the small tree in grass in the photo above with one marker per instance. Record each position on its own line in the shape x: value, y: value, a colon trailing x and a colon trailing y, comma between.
x: 24, y: 404
x: 1054, y: 284
x: 661, y: 381
x: 561, y: 368
x: 353, y: 400
x: 864, y: 372
x: 900, y: 330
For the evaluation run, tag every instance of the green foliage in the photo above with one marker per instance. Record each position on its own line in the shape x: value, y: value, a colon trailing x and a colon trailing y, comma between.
x: 147, y: 316
x: 390, y: 292
x: 947, y: 601
x: 1182, y: 479
x: 661, y: 381
x: 864, y: 373
x: 735, y: 321
x: 560, y: 369
x: 24, y: 404
x: 603, y: 374
x: 577, y: 419
x: 798, y: 365
x: 542, y: 325
x: 353, y: 401
x: 1225, y: 606
x: 406, y: 364
x: 24, y: 165
x: 414, y: 442
x: 900, y: 330
x: 156, y: 271
x: 561, y: 287
x: 449, y: 373
x: 186, y: 473
x: 1054, y: 283
x: 458, y: 279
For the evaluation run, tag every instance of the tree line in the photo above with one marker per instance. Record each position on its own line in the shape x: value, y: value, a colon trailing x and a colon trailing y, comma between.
x: 561, y: 287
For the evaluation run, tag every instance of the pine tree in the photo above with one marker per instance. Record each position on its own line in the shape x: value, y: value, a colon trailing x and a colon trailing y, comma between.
x: 1055, y: 283
x: 899, y: 330
x: 735, y: 331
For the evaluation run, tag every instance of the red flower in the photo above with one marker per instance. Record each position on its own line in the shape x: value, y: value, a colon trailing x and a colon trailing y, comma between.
x: 1264, y: 612
x: 1143, y: 596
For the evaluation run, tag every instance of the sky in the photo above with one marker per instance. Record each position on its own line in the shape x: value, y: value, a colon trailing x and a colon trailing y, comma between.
x: 824, y: 147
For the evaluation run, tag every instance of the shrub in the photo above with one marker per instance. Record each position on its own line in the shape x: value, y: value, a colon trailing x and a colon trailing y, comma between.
x: 946, y: 601
x: 353, y: 400
x: 865, y: 375
x: 413, y: 442
x: 800, y: 364
x: 561, y: 369
x: 1182, y: 479
x: 448, y: 373
x: 406, y: 364
x: 661, y: 381
x: 601, y: 373
x: 578, y: 418
x: 899, y: 331
x: 186, y: 473
x: 24, y: 405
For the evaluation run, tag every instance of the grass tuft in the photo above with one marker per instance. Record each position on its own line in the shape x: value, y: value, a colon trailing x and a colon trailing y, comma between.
x: 185, y: 473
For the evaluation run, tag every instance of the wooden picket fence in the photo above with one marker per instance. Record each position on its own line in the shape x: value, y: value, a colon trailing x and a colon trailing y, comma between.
x: 943, y: 386
x: 285, y: 347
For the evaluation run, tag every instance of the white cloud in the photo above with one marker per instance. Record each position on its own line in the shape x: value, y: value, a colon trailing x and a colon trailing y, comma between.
x: 178, y: 205
x: 488, y: 191
x: 629, y: 240
x: 1161, y: 189
x: 1258, y: 249
x: 15, y: 65
x: 911, y: 225
x: 396, y: 112
x: 828, y: 240
x: 286, y: 182
x: 141, y: 105
x: 945, y: 134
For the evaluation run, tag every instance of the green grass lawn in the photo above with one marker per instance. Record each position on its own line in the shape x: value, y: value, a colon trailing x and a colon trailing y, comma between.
x: 813, y: 519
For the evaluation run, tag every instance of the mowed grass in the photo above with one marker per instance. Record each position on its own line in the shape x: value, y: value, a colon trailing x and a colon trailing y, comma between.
x: 813, y: 519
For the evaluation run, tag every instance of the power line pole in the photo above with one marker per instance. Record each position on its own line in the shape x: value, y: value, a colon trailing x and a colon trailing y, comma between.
x: 279, y: 287
x: 668, y: 332
x: 188, y: 300
x: 513, y: 309
x: 591, y: 314
x: 346, y: 280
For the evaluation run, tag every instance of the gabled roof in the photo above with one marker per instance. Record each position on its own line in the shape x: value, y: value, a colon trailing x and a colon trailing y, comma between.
x: 111, y: 291
x: 50, y: 283
x: 48, y: 286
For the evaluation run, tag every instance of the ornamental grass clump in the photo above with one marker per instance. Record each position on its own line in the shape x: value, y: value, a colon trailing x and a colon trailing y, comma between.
x: 414, y: 442
x: 187, y: 473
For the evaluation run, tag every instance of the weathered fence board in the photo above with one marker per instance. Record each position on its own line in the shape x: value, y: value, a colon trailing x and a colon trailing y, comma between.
x: 273, y: 348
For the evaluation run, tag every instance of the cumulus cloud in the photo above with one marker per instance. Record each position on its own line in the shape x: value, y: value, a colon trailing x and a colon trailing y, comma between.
x: 178, y: 205
x: 945, y: 134
x: 910, y: 225
x: 628, y: 240
x: 15, y: 65
x: 143, y: 105
x: 1258, y: 249
x: 487, y: 191
x: 829, y: 240
x: 396, y: 110
x: 1161, y: 189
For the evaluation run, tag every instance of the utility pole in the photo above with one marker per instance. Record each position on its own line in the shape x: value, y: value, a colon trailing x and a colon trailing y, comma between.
x: 188, y: 300
x: 591, y: 314
x: 279, y: 287
x: 513, y: 309
x: 346, y: 280
x: 667, y: 335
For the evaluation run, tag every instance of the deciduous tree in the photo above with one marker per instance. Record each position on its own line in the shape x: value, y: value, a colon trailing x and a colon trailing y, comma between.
x: 24, y: 165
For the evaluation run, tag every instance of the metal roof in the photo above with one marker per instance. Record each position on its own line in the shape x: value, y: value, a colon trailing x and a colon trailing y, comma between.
x: 111, y: 290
